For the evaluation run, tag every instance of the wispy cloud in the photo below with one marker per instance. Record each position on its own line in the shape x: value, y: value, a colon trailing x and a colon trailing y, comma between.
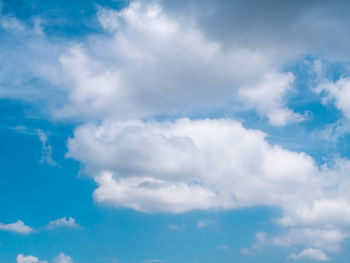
x: 46, y: 149
x: 223, y: 247
x: 22, y: 129
x: 177, y: 227
x: 261, y: 240
x: 204, y: 223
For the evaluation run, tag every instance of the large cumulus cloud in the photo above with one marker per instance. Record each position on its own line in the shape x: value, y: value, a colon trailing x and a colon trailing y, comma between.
x: 215, y: 164
x: 144, y: 63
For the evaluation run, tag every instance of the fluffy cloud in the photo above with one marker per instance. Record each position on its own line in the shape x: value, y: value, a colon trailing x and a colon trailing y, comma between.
x: 331, y: 207
x: 322, y: 211
x: 21, y: 228
x: 267, y: 98
x: 204, y: 223
x: 62, y: 258
x: 181, y: 165
x: 167, y: 59
x: 148, y: 63
x: 327, y: 239
x: 333, y: 90
x: 165, y: 162
x: 62, y: 222
x: 17, y: 227
x: 28, y: 259
x: 261, y: 240
x: 339, y: 92
x: 155, y: 65
x: 311, y: 254
x: 178, y: 70
x: 148, y: 194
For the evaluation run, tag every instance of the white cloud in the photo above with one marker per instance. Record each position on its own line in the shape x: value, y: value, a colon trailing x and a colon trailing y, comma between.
x: 335, y: 92
x: 332, y: 132
x: 21, y: 228
x: 148, y: 63
x: 177, y: 66
x: 323, y: 238
x: 11, y: 24
x: 330, y: 207
x: 261, y: 240
x: 17, y: 227
x: 311, y: 254
x: 166, y: 163
x: 267, y: 98
x: 46, y: 148
x: 62, y: 258
x: 148, y: 194
x: 168, y: 58
x: 204, y: 223
x: 338, y: 91
x: 152, y: 61
x: 323, y: 211
x: 28, y: 259
x: 62, y: 222
x: 181, y: 165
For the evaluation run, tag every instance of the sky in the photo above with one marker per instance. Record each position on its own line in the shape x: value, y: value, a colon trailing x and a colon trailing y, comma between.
x: 193, y: 131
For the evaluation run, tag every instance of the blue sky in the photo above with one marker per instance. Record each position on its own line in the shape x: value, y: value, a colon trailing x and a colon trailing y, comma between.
x: 174, y: 131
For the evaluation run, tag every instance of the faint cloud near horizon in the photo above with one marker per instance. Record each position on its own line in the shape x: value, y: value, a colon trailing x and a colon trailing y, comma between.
x: 204, y: 223
x: 177, y: 227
